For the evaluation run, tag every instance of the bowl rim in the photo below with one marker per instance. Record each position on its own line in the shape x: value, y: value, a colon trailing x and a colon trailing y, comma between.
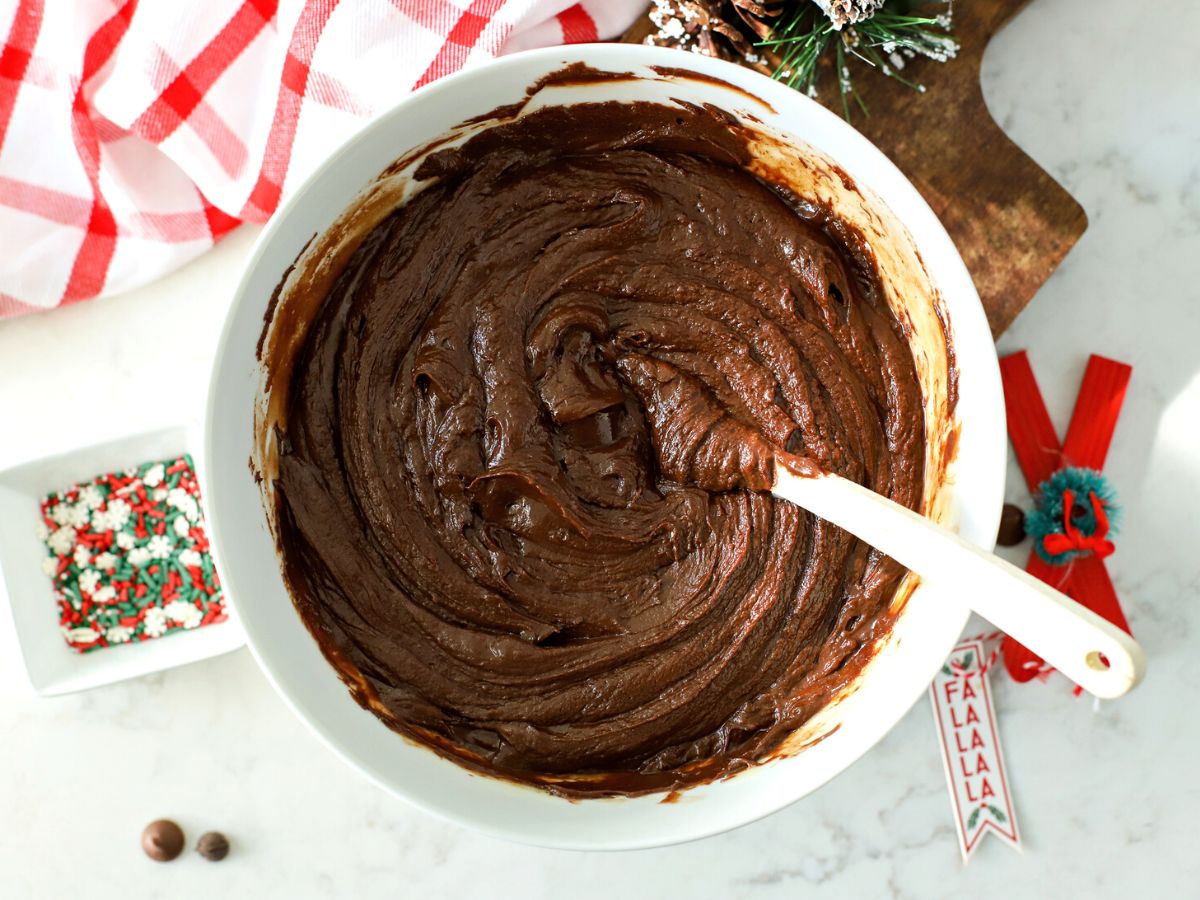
x: 971, y: 335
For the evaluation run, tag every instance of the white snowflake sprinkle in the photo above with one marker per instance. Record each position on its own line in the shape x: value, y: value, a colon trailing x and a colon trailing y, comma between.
x: 155, y: 621
x: 50, y: 566
x: 62, y: 540
x: 160, y: 546
x: 88, y: 580
x: 118, y: 634
x: 190, y: 558
x: 41, y: 531
x: 90, y: 496
x: 184, y: 613
x: 125, y: 540
x: 114, y: 518
x: 182, y: 526
x: 184, y: 502
x: 105, y: 560
x: 153, y: 477
x: 118, y: 513
x: 106, y: 594
x: 82, y: 556
x: 78, y: 515
x: 138, y: 556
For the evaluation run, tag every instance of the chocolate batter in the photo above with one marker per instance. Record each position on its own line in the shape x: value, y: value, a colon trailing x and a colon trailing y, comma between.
x: 523, y: 480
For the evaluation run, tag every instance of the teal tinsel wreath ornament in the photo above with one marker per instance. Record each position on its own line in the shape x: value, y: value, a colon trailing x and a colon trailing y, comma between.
x: 1075, y: 511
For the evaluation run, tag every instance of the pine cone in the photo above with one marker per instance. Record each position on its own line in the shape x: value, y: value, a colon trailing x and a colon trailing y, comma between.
x: 849, y: 12
x: 705, y: 27
x: 759, y: 17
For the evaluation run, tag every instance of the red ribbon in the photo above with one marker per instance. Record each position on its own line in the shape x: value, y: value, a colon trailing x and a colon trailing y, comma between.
x: 1073, y: 538
x: 1085, y: 579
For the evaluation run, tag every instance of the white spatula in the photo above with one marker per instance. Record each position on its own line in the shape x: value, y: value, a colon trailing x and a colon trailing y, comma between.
x: 1093, y: 653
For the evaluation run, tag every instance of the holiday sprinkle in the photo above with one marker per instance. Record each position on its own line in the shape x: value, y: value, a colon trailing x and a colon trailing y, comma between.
x: 129, y: 556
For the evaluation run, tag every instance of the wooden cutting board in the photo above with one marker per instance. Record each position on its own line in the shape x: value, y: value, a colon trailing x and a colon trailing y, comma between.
x: 1011, y: 221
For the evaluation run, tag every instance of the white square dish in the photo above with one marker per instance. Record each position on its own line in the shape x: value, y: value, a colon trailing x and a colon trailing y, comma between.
x: 53, y: 666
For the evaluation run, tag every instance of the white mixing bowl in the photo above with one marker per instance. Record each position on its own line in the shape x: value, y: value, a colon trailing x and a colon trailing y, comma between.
x: 922, y: 274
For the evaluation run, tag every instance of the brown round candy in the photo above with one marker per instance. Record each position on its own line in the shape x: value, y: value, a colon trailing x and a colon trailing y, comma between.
x: 1012, y: 526
x: 162, y: 840
x: 213, y: 846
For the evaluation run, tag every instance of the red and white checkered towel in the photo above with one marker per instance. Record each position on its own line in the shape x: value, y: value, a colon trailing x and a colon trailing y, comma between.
x: 135, y: 134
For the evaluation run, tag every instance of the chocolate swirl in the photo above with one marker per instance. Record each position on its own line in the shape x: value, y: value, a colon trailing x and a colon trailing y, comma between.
x: 523, y: 481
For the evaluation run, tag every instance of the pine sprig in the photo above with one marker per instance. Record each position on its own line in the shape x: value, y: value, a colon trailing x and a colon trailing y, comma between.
x: 802, y: 36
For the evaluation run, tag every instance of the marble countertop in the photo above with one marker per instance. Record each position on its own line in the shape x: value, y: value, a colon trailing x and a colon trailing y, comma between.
x: 1106, y: 100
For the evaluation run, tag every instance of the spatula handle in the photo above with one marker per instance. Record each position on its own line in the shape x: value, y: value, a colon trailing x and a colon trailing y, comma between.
x: 1089, y: 650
